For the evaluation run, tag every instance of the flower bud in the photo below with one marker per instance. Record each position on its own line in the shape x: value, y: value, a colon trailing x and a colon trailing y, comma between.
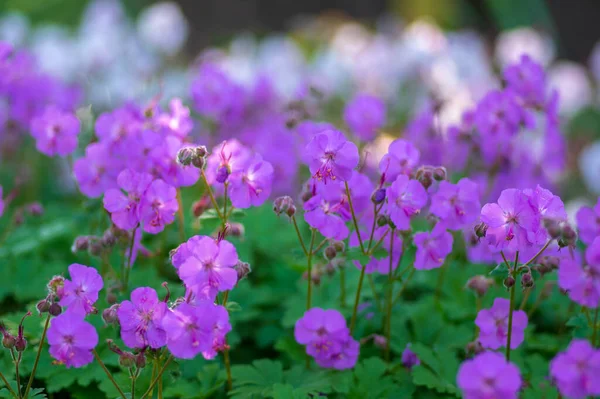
x: 568, y: 236
x: 81, y: 243
x: 127, y: 360
x: 552, y: 227
x: 111, y: 298
x: 382, y: 220
x: 140, y: 360
x: 9, y: 341
x: 291, y: 211
x: 235, y: 230
x: 55, y: 309
x: 109, y: 315
x: 43, y: 306
x: 306, y: 195
x: 35, y: 209
x: 222, y: 174
x: 55, y: 286
x: 426, y: 179
x: 20, y: 344
x: 201, y: 151
x: 380, y: 341
x: 96, y: 248
x: 330, y: 252
x: 440, y: 173
x: 200, y: 206
x: 378, y: 196
x: 474, y: 348
x: 509, y: 282
x: 527, y: 280
x: 108, y: 239
x: 283, y: 205
x: 339, y: 246
x: 548, y: 264
x: 480, y: 284
x: 185, y: 156
x: 409, y: 358
x: 481, y: 230
x: 242, y: 269
x: 199, y: 162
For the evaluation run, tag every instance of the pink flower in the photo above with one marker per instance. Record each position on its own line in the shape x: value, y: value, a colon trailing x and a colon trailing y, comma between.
x: 457, y: 205
x: 432, y: 248
x: 124, y: 209
x: 141, y: 319
x: 81, y: 291
x: 158, y: 206
x: 72, y: 339
x: 327, y: 212
x: 331, y: 156
x: 588, y: 223
x: 576, y: 370
x: 402, y: 157
x: 493, y: 325
x: 405, y: 198
x: 252, y: 186
x: 95, y: 173
x: 489, y: 375
x: 55, y: 132
x: 582, y: 282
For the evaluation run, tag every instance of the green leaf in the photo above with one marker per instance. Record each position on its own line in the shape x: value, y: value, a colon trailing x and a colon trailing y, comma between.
x: 500, y: 271
x: 581, y: 328
x: 233, y: 306
x: 356, y: 254
x: 209, y: 214
x: 284, y: 391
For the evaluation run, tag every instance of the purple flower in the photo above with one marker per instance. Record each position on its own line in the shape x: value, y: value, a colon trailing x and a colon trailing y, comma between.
x: 331, y: 156
x: 251, y: 187
x: 409, y: 358
x: 327, y: 338
x: 55, y: 132
x: 141, y: 319
x: 405, y: 198
x: 547, y: 204
x: 216, y: 96
x: 489, y: 375
x: 81, y: 291
x: 582, y: 282
x: 511, y: 222
x: 493, y: 325
x: 124, y: 209
x: 195, y: 329
x: 164, y: 160
x: 432, y: 247
x: 71, y: 340
x: 158, y: 206
x: 575, y: 371
x: 209, y: 266
x: 457, y: 205
x: 588, y: 223
x: 95, y: 173
x: 178, y: 122
x: 365, y: 115
x: 326, y: 212
x: 402, y: 157
x: 528, y: 80
x: 229, y: 157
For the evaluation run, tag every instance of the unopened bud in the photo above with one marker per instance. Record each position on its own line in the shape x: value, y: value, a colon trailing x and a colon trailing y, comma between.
x: 140, y: 360
x: 283, y: 205
x: 43, y: 306
x: 236, y: 230
x: 55, y: 309
x: 111, y: 298
x: 568, y: 236
x: 20, y: 344
x: 222, y: 174
x: 548, y: 264
x: 382, y: 220
x: 480, y: 284
x: 9, y: 341
x: 426, y: 179
x: 81, y: 243
x: 527, y: 280
x: 474, y: 348
x: 127, y: 360
x: 55, y: 286
x: 509, y: 282
x: 109, y: 315
x: 306, y: 195
x: 330, y: 252
x: 186, y: 155
x: 481, y: 230
x: 552, y: 227
x: 440, y: 173
x: 339, y: 246
x: 200, y: 206
x: 378, y: 196
x: 96, y: 248
x: 199, y: 162
x: 35, y: 209
x: 109, y: 239
x: 242, y: 269
x: 380, y: 341
x: 201, y: 151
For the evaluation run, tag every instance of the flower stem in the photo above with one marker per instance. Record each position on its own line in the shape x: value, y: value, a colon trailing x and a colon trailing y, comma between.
x: 228, y: 370
x: 158, y: 377
x: 362, y: 247
x: 180, y: 216
x: 399, y: 295
x: 534, y: 257
x: 440, y: 283
x: 595, y: 328
x: 133, y: 376
x: 154, y: 370
x: 375, y: 212
x: 17, y: 362
x: 299, y: 236
x: 511, y: 307
x: 225, y: 203
x: 525, y: 298
x: 357, y: 298
x: 342, y: 287
x: 128, y: 265
x: 309, y: 263
x: 37, y: 357
x: 388, y: 332
x: 3, y: 378
x: 211, y: 195
x: 108, y: 374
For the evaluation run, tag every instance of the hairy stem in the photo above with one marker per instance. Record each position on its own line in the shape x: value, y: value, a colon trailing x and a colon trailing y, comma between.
x: 375, y: 295
x: 211, y: 196
x: 309, y: 263
x: 299, y: 236
x: 158, y: 377
x: 534, y: 257
x: 388, y: 332
x: 3, y: 378
x: 17, y: 362
x: 362, y: 247
x: 511, y: 307
x: 342, y: 287
x: 128, y: 265
x: 357, y: 298
x: 108, y: 374
x: 37, y: 357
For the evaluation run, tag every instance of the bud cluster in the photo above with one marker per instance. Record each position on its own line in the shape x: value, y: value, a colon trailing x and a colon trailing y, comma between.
x: 284, y: 205
x: 427, y: 174
x: 195, y: 156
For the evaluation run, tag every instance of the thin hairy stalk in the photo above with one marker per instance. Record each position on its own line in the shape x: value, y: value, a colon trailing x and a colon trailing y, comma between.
x: 228, y: 370
x: 357, y: 298
x: 154, y: 370
x: 108, y: 374
x: 225, y: 194
x: 129, y: 255
x: 378, y: 243
x: 525, y: 298
x: 375, y: 212
x: 37, y: 357
x: 534, y: 257
x: 158, y: 377
x: 133, y: 376
x: 511, y: 308
x: 299, y: 236
x: 211, y: 195
x: 17, y: 362
x: 388, y: 332
x: 320, y: 246
x: 309, y: 263
x: 354, y: 221
x: 440, y: 283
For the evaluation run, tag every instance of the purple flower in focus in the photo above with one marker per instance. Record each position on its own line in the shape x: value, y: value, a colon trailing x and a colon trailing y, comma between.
x: 528, y: 80
x: 365, y: 115
x: 457, y: 205
x: 512, y: 222
x: 489, y: 375
x: 326, y: 212
x: 124, y: 208
x: 432, y: 247
x: 158, y: 206
x: 405, y: 198
x: 409, y: 358
x: 251, y: 187
x: 493, y: 325
x: 402, y: 157
x: 229, y: 157
x: 327, y: 338
x: 81, y: 291
x: 588, y: 223
x: 575, y: 371
x: 582, y: 282
x: 141, y: 319
x: 209, y: 266
x: 95, y: 172
x: 331, y: 156
x: 547, y: 204
x: 194, y: 329
x: 71, y: 340
x: 55, y: 132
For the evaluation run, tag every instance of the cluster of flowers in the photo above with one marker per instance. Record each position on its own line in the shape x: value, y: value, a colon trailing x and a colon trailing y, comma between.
x: 327, y: 338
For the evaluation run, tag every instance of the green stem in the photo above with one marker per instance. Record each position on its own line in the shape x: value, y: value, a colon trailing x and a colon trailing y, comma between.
x: 388, y: 333
x: 225, y: 203
x: 342, y: 287
x: 309, y: 262
x: 180, y: 216
x: 158, y: 377
x: 228, y: 370
x: 133, y: 378
x: 534, y: 257
x: 440, y: 283
x: 357, y: 298
x: 525, y: 298
x: 511, y: 307
x: 108, y: 374
x: 595, y: 328
x: 299, y: 236
x: 211, y: 195
x: 3, y: 378
x: 17, y: 362
x: 362, y: 247
x: 154, y: 370
x: 128, y: 265
x: 375, y: 212
x: 37, y: 357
